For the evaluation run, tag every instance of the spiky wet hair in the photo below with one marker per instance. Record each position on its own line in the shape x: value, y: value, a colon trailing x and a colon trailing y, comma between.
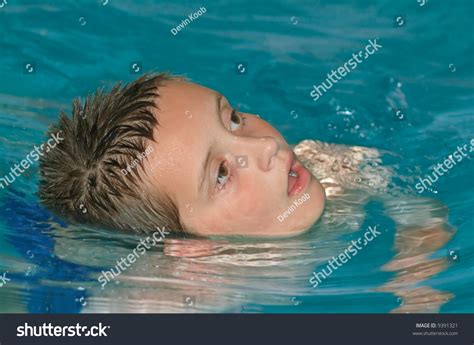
x: 81, y: 178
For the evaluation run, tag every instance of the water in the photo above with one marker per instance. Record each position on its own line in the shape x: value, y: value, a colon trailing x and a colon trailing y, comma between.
x: 413, y: 97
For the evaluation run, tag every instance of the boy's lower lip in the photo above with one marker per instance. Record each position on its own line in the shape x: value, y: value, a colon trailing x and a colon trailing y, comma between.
x: 298, y: 184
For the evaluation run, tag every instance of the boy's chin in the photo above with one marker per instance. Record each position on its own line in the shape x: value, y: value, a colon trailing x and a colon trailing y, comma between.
x: 302, y: 226
x: 296, y: 231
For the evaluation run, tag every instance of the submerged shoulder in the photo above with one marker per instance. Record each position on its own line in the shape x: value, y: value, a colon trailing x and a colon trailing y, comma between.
x: 339, y: 167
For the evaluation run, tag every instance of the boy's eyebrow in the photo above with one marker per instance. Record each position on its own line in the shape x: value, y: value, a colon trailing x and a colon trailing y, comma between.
x: 202, y: 175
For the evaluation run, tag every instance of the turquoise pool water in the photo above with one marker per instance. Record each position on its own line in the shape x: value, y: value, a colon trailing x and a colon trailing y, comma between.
x: 413, y: 98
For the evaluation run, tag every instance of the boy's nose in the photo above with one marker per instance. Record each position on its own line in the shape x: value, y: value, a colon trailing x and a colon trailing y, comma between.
x: 263, y: 150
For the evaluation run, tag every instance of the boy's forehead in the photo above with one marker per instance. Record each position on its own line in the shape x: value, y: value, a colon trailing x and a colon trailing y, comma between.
x: 180, y: 101
x: 185, y: 111
x: 184, y: 92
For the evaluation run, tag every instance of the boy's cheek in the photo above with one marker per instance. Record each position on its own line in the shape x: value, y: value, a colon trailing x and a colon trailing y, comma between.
x: 249, y: 207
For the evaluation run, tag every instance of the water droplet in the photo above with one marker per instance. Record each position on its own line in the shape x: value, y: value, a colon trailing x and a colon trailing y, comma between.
x: 345, y: 112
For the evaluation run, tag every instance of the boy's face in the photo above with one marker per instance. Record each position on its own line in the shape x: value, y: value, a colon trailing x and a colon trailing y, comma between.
x: 228, y: 172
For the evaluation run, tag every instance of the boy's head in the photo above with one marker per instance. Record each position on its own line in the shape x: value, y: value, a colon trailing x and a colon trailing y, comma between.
x: 163, y: 151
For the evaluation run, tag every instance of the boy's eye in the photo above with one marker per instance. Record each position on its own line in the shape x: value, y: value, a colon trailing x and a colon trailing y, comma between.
x: 222, y: 175
x: 236, y: 120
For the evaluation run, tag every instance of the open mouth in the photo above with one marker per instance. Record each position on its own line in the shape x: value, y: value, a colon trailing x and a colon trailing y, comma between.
x: 298, y: 178
x: 293, y: 174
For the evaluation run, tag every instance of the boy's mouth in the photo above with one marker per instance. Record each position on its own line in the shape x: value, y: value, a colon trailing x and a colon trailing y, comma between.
x: 298, y: 177
x: 293, y: 174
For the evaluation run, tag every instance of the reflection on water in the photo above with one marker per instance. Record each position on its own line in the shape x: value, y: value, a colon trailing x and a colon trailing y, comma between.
x: 241, y: 275
x: 413, y: 265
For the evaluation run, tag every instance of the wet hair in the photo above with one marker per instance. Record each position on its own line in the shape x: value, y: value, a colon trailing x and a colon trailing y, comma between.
x: 83, y: 177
